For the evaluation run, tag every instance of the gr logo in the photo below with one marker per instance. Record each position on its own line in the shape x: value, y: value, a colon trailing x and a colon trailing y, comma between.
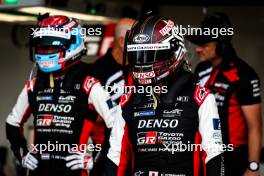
x: 147, y: 137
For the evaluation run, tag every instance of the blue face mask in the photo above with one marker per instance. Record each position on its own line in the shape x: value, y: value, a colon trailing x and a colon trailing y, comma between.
x: 48, y: 62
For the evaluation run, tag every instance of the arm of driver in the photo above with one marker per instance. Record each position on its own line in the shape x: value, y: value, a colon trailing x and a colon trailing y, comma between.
x: 210, y: 128
x: 104, y: 105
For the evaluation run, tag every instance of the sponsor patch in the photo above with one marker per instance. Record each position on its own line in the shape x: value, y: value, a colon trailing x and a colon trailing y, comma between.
x: 44, y: 120
x: 144, y: 75
x: 109, y: 103
x: 183, y: 98
x: 147, y: 138
x: 144, y: 81
x: 172, y: 113
x: 46, y: 64
x: 45, y: 156
x: 153, y: 173
x: 157, y: 123
x: 47, y: 107
x: 143, y: 47
x: 44, y: 98
x: 217, y: 135
x: 67, y: 99
x: 141, y: 38
x: 144, y: 113
x: 166, y: 29
x: 216, y: 124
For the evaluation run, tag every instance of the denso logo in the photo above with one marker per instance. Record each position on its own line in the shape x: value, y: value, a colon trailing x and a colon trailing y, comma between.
x: 54, y: 108
x: 141, y: 38
x: 158, y: 123
x: 144, y: 75
x: 167, y: 28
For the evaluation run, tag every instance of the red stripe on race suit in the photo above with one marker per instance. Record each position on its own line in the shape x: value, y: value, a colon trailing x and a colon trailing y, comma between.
x: 204, y: 155
x: 84, y: 173
x: 98, y: 132
x: 236, y: 123
x: 125, y: 98
x: 86, y: 130
x: 197, y: 155
x: 28, y: 83
x: 126, y: 153
x: 85, y: 133
x: 130, y: 81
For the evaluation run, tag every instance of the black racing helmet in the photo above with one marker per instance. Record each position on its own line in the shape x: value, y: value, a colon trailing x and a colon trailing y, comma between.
x: 154, y: 49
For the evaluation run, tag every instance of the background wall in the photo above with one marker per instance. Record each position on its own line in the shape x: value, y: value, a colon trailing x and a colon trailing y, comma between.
x: 15, y: 65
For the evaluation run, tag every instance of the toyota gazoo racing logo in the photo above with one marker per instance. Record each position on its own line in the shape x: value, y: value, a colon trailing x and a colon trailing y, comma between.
x: 141, y: 38
x: 44, y: 120
x: 147, y: 138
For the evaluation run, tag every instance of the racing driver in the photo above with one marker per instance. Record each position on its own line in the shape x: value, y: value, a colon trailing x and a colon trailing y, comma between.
x: 63, y: 99
x: 158, y: 128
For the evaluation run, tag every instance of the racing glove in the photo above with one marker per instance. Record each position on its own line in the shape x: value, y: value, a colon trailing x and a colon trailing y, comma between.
x: 29, y: 161
x: 79, y: 160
